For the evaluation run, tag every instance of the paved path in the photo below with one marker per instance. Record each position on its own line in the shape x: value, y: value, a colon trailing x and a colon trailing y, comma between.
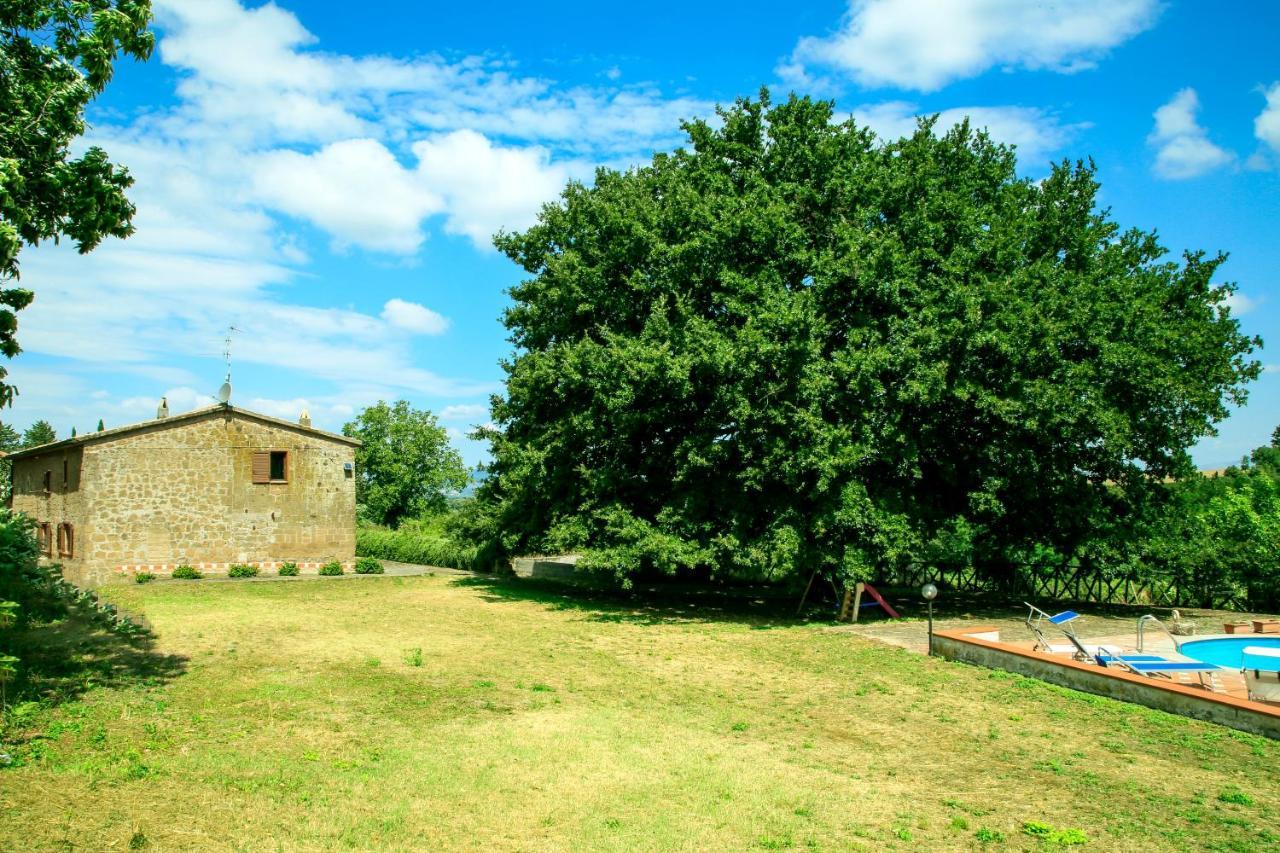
x: 391, y: 567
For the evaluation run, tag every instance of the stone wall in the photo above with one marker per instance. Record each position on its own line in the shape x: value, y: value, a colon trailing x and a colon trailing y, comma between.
x: 168, y: 494
x: 65, y: 501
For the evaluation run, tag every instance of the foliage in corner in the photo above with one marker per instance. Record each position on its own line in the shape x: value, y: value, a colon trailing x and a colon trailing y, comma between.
x: 405, y: 466
x: 55, y: 57
x: 793, y: 346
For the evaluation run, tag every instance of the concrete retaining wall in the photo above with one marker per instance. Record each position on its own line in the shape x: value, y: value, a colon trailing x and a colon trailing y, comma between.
x: 979, y: 646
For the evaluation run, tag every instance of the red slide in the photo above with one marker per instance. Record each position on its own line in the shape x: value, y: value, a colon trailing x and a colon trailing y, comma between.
x: 880, y: 600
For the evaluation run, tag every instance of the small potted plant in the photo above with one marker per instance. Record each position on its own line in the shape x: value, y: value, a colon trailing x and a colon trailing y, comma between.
x: 1266, y: 626
x: 1237, y: 627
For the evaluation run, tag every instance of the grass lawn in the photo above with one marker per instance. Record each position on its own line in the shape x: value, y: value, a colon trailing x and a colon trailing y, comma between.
x: 299, y: 715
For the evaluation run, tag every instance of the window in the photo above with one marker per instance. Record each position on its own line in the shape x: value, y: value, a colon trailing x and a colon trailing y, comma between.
x: 271, y: 466
x: 278, y: 459
x: 44, y: 535
x: 66, y: 540
x: 48, y: 482
x: 66, y: 474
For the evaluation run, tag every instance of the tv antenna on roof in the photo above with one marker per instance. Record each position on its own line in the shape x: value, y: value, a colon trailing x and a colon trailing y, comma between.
x: 224, y: 393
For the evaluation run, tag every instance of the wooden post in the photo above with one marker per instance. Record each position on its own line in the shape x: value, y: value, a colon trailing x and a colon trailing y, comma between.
x: 805, y: 597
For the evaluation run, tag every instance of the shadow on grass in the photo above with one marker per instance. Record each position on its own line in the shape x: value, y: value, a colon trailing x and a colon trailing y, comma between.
x: 63, y: 658
x: 766, y: 606
x: 758, y: 606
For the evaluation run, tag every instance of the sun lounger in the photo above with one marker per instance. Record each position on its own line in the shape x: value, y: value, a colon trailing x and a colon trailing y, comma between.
x: 1156, y: 666
x: 1037, y: 619
x: 1260, y: 666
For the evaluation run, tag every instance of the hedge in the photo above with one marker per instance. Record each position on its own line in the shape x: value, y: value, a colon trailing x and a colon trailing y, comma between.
x: 405, y: 546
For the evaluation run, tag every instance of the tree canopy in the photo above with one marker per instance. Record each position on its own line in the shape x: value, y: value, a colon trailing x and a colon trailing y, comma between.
x: 55, y: 57
x: 40, y: 432
x: 405, y: 467
x: 791, y: 346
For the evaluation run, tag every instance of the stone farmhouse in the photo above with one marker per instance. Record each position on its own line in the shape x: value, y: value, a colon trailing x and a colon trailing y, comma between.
x: 208, y: 488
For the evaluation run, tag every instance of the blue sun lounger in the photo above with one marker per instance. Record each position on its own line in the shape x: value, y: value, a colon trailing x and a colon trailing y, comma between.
x: 1037, y: 618
x: 1157, y: 666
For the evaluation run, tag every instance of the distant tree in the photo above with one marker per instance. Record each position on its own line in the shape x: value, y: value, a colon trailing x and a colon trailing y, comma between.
x: 100, y: 425
x: 792, y: 347
x: 10, y: 440
x: 405, y: 466
x: 55, y: 57
x: 40, y: 432
x: 1219, y: 536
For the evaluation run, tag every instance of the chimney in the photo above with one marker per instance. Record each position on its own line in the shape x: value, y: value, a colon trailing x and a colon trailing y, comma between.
x: 305, y: 418
x: 163, y: 410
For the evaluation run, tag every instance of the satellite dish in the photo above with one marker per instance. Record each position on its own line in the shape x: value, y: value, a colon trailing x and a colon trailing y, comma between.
x: 224, y: 393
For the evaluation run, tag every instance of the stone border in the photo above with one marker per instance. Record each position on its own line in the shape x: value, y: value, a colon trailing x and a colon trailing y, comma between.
x: 981, y: 646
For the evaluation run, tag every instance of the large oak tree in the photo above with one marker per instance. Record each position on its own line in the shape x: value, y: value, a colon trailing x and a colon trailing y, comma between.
x: 792, y: 346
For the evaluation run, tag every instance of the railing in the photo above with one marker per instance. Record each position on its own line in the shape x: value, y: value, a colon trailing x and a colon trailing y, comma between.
x: 1070, y: 583
x: 1142, y: 624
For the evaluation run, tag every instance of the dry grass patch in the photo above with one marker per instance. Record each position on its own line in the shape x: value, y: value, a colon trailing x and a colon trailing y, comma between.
x: 539, y: 720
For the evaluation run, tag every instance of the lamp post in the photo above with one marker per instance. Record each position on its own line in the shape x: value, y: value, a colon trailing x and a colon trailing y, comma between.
x: 929, y: 592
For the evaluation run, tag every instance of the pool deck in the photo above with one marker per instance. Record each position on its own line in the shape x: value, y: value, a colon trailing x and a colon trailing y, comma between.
x: 913, y: 635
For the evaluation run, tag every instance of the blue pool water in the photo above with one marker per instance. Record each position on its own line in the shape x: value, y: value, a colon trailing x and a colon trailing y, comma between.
x: 1226, y: 651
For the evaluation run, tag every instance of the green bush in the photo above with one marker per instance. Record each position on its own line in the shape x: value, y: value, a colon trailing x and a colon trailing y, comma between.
x: 143, y: 577
x: 414, y: 544
x: 288, y: 570
x: 368, y: 566
x: 331, y: 568
x: 240, y: 570
x: 187, y: 573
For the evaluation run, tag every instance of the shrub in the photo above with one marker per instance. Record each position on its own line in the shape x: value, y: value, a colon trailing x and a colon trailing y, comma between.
x: 417, y: 544
x: 288, y: 570
x: 143, y: 577
x: 368, y: 566
x: 240, y: 570
x: 187, y: 573
x: 331, y: 568
x: 413, y: 657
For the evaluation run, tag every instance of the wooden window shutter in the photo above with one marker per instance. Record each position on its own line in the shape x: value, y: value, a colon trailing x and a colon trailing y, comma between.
x: 262, y: 466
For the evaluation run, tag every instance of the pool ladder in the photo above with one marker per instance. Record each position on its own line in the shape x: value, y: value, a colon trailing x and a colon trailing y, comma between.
x: 1214, y: 685
x: 1142, y: 624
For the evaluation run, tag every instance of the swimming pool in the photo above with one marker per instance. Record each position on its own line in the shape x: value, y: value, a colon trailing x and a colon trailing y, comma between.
x: 1225, y: 651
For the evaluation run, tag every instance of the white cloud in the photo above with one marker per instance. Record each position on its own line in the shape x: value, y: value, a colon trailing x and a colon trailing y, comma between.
x: 413, y: 317
x: 1266, y: 127
x: 1271, y: 368
x: 354, y: 189
x: 1183, y: 149
x: 269, y: 131
x: 487, y: 187
x: 926, y: 44
x: 1036, y: 133
x: 1240, y: 304
x: 464, y: 412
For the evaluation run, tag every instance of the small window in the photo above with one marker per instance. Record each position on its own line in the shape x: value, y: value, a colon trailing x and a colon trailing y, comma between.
x: 44, y: 535
x: 271, y: 466
x: 66, y: 540
x: 66, y: 474
x: 48, y: 482
x: 279, y: 466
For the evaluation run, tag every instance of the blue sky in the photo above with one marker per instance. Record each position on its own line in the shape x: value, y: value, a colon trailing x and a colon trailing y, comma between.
x: 326, y: 176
